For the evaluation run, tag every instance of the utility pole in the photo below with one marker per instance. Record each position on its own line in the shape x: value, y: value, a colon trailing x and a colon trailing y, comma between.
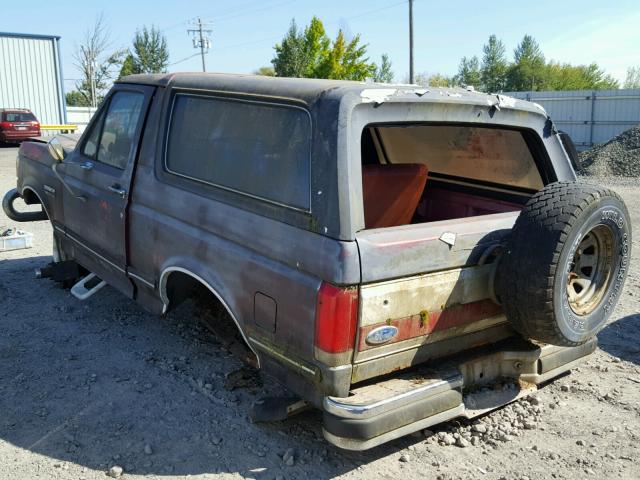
x: 411, y: 79
x: 201, y: 39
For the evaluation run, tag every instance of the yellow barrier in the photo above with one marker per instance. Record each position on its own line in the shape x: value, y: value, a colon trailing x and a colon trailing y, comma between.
x: 59, y: 127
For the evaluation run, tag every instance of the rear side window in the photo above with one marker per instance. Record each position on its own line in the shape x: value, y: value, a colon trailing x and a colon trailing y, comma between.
x: 19, y: 117
x: 255, y: 148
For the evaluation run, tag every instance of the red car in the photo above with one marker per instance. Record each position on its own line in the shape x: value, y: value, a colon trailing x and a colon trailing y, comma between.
x: 17, y: 124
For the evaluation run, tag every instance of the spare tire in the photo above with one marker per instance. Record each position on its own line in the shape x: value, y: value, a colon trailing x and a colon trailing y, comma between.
x: 565, y: 263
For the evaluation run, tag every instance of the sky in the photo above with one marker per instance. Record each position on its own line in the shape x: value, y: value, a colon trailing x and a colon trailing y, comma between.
x: 245, y: 31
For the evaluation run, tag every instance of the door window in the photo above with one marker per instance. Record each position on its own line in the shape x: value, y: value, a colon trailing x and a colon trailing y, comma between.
x: 112, y: 136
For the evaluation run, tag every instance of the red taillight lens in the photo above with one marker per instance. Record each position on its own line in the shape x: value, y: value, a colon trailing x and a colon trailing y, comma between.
x: 336, y: 318
x: 5, y: 125
x: 35, y: 125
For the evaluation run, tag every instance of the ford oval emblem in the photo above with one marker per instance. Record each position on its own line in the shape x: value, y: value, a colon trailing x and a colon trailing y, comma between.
x: 381, y: 335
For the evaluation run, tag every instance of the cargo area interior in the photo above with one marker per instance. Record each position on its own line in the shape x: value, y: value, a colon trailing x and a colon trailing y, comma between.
x: 418, y: 173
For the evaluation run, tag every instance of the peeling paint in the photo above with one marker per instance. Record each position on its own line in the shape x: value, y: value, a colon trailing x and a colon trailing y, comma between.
x: 377, y: 95
x: 505, y: 101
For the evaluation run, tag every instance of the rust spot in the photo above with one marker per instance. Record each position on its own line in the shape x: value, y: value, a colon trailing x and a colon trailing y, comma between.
x: 424, y: 318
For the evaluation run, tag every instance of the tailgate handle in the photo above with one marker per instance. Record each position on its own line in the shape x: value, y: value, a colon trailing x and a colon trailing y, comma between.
x: 117, y: 189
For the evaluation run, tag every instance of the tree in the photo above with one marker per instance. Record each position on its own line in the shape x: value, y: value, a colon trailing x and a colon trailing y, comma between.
x: 345, y: 61
x: 312, y: 54
x: 149, y: 54
x: 494, y: 65
x: 439, y: 80
x: 265, y: 72
x: 425, y: 79
x: 528, y: 69
x: 289, y: 60
x: 128, y: 66
x: 76, y: 99
x: 633, y: 78
x: 383, y: 73
x: 469, y: 72
x: 576, y: 77
x: 95, y: 64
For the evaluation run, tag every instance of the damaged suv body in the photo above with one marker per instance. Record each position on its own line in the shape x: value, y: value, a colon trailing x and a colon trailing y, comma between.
x: 385, y: 252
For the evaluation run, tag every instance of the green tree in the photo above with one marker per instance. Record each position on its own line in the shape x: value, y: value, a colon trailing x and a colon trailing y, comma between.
x: 494, y: 65
x: 577, y: 77
x: 128, y: 66
x: 312, y: 54
x: 76, y: 99
x: 383, y: 73
x: 633, y: 78
x: 345, y: 61
x: 439, y: 80
x: 469, y: 72
x: 528, y: 69
x: 265, y: 72
x: 149, y: 54
x: 289, y: 60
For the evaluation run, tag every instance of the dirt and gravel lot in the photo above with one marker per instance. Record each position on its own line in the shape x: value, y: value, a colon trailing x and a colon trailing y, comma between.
x: 86, y: 386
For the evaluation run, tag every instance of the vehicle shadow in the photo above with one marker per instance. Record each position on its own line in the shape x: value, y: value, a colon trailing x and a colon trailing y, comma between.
x: 102, y: 383
x: 622, y: 338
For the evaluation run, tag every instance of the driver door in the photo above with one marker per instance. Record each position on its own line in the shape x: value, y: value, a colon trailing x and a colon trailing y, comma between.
x: 99, y: 173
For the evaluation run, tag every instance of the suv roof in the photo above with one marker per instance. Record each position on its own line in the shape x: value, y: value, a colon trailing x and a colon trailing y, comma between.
x: 10, y: 110
x: 311, y: 91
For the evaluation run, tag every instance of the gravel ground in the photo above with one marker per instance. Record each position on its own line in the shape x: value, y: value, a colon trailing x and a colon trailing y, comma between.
x: 98, y: 386
x: 619, y: 156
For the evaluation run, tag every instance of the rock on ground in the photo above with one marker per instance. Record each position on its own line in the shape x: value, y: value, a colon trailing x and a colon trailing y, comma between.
x: 620, y: 156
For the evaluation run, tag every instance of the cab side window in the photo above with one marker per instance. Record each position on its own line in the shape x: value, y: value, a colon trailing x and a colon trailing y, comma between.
x: 111, y: 138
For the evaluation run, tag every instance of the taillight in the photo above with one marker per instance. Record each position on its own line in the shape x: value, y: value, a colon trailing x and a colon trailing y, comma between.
x: 336, y: 318
x: 5, y: 125
x: 35, y: 125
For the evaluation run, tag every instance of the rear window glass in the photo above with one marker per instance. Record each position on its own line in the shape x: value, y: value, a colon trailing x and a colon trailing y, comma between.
x: 255, y: 148
x: 19, y: 117
x: 477, y: 153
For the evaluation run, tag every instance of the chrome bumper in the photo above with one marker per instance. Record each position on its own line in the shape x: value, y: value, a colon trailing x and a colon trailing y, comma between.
x: 379, y: 412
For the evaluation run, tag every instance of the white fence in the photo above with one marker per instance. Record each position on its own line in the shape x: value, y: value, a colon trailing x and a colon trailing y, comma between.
x: 80, y: 116
x: 590, y: 117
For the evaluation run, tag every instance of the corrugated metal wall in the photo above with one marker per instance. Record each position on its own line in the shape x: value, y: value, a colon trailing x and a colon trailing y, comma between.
x: 590, y: 117
x: 80, y: 116
x: 30, y: 76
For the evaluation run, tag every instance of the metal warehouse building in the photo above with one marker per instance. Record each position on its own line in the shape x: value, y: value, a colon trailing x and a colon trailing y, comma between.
x: 589, y: 116
x: 31, y: 75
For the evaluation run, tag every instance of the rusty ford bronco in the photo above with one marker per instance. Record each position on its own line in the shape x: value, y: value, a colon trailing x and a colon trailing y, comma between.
x: 387, y: 252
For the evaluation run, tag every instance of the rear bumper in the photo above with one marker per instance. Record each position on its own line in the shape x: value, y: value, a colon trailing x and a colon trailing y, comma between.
x: 380, y: 412
x: 6, y: 136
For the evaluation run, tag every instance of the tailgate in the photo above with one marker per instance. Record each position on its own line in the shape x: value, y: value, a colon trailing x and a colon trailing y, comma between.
x: 425, y: 280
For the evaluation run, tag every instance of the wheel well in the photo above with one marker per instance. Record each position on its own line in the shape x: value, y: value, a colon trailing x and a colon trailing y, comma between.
x: 208, y: 308
x: 30, y: 197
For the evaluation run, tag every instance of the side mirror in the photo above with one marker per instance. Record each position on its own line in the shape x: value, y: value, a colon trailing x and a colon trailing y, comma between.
x: 571, y: 150
x: 55, y: 149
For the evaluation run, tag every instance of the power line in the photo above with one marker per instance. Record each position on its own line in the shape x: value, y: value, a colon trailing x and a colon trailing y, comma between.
x: 201, y: 39
x: 275, y: 37
x: 184, y: 59
x: 375, y: 10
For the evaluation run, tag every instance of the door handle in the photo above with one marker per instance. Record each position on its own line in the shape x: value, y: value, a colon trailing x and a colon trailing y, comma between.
x: 117, y: 189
